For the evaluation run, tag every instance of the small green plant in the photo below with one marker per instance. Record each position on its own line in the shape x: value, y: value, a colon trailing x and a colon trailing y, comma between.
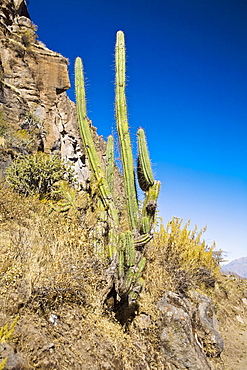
x: 37, y: 174
x: 34, y: 125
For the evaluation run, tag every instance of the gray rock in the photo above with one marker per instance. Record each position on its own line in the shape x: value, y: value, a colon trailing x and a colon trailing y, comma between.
x: 188, y: 331
x: 15, y: 361
x: 207, y: 325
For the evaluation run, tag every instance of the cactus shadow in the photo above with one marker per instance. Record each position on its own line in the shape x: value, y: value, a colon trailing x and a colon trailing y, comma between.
x: 124, y: 310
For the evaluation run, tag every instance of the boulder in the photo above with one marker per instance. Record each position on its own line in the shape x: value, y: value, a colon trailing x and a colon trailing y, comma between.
x: 189, y: 331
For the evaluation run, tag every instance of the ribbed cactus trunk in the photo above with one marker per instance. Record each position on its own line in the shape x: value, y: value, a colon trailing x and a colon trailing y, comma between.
x: 124, y: 249
x: 144, y: 170
x: 123, y: 133
x: 110, y: 163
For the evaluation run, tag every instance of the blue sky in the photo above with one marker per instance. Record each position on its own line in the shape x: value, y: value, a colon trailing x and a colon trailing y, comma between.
x: 187, y: 87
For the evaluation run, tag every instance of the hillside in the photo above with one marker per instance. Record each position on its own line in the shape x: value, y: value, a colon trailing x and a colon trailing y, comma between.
x: 238, y: 266
x: 89, y: 277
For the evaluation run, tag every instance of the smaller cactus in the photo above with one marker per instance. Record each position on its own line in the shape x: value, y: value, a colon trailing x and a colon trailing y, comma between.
x: 87, y: 139
x: 110, y: 163
x: 150, y: 204
x: 144, y: 170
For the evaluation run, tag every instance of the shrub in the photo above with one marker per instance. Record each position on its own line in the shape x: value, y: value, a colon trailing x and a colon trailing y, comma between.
x: 37, y: 173
x: 179, y: 260
x: 29, y: 138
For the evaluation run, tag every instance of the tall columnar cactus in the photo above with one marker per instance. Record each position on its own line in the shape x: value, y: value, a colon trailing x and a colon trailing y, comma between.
x: 125, y: 248
x: 123, y: 132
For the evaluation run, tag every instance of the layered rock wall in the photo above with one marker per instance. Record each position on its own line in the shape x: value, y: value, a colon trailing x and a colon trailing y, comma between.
x: 34, y: 81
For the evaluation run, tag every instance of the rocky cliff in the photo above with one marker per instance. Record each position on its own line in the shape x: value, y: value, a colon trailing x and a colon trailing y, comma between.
x: 33, y: 84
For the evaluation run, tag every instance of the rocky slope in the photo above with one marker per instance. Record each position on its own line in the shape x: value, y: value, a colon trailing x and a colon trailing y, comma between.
x: 34, y: 81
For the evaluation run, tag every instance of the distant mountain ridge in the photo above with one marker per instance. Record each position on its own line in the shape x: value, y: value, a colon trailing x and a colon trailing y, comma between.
x: 238, y: 266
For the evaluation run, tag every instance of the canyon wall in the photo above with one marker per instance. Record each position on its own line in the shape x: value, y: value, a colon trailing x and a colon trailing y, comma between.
x: 33, y: 83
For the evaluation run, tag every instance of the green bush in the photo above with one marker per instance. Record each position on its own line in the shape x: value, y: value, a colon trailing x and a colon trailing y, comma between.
x: 180, y: 260
x: 37, y: 173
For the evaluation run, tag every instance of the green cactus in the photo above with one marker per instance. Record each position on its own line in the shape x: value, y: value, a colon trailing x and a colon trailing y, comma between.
x: 86, y: 135
x: 125, y: 248
x: 121, y: 255
x: 110, y: 163
x: 150, y: 204
x: 123, y: 132
x: 87, y: 139
x: 144, y: 170
x: 99, y: 232
x: 130, y: 253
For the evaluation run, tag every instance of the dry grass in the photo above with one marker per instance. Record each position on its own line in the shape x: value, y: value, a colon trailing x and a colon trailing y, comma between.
x: 41, y: 250
x: 48, y: 266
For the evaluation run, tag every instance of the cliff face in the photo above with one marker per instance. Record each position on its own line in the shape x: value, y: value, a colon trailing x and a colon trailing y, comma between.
x: 34, y: 81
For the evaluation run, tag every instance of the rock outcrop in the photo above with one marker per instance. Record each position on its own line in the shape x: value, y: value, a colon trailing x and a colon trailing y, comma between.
x: 189, y: 332
x: 34, y: 81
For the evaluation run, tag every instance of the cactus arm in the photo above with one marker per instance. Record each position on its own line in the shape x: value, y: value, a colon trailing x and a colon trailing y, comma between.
x: 150, y: 203
x: 94, y: 161
x: 85, y: 129
x: 144, y: 170
x: 123, y: 133
x: 110, y: 163
x: 143, y: 239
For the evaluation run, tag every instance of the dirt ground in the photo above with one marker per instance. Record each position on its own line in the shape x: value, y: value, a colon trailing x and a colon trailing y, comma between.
x: 232, y: 315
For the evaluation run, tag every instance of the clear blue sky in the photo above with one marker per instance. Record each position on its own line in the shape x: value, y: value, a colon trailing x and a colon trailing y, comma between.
x: 187, y: 86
